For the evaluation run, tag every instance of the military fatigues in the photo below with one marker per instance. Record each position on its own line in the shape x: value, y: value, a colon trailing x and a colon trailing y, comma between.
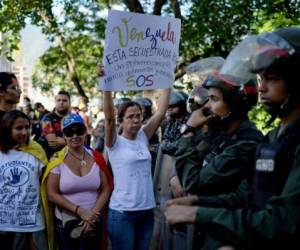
x: 164, y: 170
x: 222, y: 165
x: 271, y: 215
x: 171, y: 134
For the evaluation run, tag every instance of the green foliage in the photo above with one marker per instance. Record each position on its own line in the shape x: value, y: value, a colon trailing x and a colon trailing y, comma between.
x: 261, y: 118
x: 213, y: 27
x: 209, y: 28
x: 51, y: 69
x: 276, y: 14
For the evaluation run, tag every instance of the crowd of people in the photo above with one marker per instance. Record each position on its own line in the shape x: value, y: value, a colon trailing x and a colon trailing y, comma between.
x: 195, y: 173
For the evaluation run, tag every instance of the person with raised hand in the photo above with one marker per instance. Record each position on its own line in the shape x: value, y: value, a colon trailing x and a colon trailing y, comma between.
x: 130, y: 216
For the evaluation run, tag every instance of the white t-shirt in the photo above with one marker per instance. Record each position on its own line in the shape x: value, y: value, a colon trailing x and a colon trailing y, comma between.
x: 131, y: 165
x: 20, y: 208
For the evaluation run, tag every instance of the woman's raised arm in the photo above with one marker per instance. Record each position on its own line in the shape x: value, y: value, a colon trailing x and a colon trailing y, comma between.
x: 154, y: 122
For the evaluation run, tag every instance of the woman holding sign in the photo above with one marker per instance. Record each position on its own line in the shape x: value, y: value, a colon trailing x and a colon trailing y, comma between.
x: 130, y: 217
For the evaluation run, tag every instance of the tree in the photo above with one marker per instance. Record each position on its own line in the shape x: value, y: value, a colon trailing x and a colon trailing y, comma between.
x: 209, y: 28
x: 78, y: 16
x: 51, y: 68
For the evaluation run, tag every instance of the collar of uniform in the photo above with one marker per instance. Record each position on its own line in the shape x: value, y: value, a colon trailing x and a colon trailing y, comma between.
x: 292, y: 127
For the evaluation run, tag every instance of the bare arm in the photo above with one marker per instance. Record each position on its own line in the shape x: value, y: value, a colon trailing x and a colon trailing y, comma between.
x: 55, y: 196
x: 154, y: 122
x: 110, y: 120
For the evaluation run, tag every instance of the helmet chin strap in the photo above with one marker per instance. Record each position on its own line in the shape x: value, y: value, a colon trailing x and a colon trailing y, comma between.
x: 276, y: 110
x: 222, y: 122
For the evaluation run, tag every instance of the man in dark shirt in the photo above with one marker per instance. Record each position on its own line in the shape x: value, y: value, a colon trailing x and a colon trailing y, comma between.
x: 52, y: 138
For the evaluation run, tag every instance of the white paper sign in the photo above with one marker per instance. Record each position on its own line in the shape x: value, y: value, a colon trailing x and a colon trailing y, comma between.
x: 140, y: 51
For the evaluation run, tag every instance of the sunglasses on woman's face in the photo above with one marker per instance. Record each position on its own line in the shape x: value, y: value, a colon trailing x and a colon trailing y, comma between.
x: 79, y: 131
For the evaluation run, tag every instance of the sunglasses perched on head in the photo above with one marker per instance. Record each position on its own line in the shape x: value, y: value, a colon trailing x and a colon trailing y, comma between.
x: 69, y: 132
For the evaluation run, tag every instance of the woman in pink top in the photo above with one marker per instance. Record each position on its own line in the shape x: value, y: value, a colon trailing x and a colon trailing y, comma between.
x: 79, y: 190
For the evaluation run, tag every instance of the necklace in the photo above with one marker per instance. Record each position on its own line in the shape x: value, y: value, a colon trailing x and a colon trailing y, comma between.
x: 82, y: 161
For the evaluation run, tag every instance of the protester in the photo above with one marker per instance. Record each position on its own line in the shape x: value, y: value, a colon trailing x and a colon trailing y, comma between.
x: 146, y: 105
x: 52, y: 138
x: 78, y: 185
x: 22, y: 161
x: 88, y: 123
x: 98, y: 136
x: 263, y: 213
x: 130, y: 218
x: 34, y: 121
x: 10, y: 92
x: 42, y: 111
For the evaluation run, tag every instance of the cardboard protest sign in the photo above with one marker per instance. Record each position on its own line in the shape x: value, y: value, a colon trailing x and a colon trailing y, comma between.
x: 140, y: 51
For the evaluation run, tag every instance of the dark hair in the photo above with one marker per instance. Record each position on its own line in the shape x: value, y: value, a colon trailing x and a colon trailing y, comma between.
x: 38, y: 105
x: 122, y: 109
x: 6, y: 80
x: 7, y: 122
x: 27, y: 99
x: 63, y: 92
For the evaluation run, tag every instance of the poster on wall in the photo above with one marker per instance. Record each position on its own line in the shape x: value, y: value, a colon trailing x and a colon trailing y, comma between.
x: 140, y: 51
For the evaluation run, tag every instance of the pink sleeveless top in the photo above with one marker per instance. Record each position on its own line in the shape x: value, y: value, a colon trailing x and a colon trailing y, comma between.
x: 80, y: 190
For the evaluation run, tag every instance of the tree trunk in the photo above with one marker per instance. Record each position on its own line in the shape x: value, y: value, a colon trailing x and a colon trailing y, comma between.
x: 49, y: 21
x: 176, y: 8
x: 158, y: 6
x: 134, y: 6
x: 71, y: 69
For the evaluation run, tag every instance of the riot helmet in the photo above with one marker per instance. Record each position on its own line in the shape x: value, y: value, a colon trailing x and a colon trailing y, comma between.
x: 234, y: 79
x: 120, y: 101
x: 144, y: 102
x: 197, y: 98
x: 146, y: 105
x: 273, y: 47
x: 279, y: 52
x: 196, y: 73
x: 177, y: 99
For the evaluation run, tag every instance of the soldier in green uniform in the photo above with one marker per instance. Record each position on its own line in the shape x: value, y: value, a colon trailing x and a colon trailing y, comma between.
x: 264, y: 213
x: 223, y: 157
x: 218, y: 143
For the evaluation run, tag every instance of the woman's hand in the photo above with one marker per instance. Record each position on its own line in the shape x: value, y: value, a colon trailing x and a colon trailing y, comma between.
x: 87, y: 227
x: 88, y: 215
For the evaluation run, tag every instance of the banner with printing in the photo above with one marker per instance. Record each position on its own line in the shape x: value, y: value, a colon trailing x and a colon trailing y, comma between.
x: 140, y: 51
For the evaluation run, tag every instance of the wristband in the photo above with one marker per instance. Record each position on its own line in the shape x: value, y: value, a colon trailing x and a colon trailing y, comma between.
x: 76, y: 210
